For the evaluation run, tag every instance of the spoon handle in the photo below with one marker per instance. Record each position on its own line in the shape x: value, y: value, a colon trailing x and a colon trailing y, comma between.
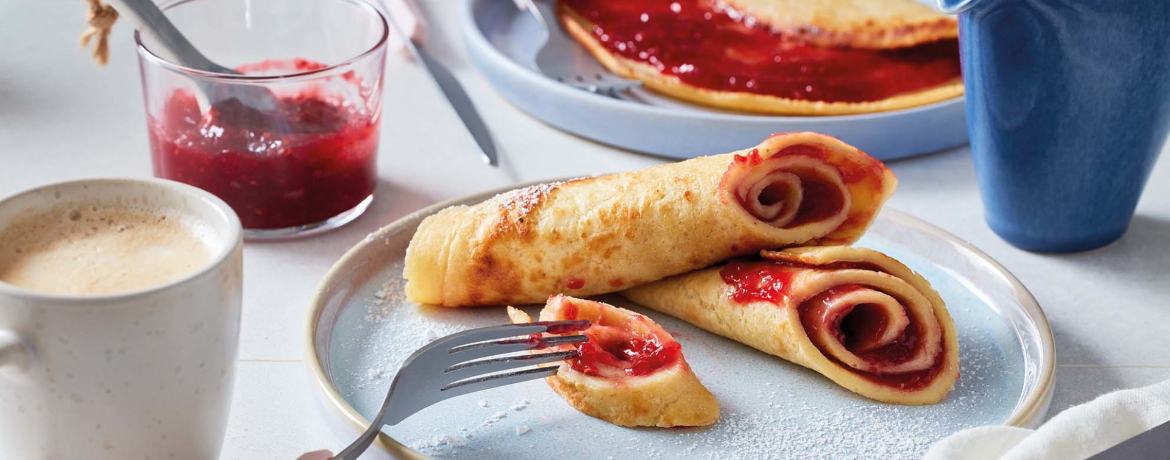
x: 151, y: 22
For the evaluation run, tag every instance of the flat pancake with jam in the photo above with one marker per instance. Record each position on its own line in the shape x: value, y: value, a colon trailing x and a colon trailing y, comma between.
x: 789, y: 57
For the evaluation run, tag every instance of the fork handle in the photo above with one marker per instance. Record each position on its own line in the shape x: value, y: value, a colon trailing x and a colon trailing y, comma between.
x: 406, y: 15
x: 544, y: 12
x: 363, y: 442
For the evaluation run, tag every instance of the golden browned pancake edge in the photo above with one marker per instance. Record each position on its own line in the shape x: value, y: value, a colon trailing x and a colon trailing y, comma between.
x: 875, y: 24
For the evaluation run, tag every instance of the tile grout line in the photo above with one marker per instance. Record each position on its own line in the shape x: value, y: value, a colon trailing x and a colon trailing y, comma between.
x: 270, y: 360
x: 1099, y: 366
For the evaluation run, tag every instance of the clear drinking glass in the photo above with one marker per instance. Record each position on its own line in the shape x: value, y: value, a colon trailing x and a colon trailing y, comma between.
x: 304, y: 162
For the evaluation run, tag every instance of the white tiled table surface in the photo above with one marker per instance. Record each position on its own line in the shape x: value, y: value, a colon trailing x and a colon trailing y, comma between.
x: 62, y: 118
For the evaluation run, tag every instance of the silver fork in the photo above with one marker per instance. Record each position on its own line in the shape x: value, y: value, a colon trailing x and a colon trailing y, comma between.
x: 464, y: 363
x: 563, y: 59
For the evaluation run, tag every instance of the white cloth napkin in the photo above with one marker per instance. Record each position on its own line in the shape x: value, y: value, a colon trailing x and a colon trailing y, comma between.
x: 1076, y: 433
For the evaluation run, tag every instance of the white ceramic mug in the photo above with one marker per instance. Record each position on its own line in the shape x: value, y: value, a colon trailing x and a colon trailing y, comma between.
x: 145, y: 374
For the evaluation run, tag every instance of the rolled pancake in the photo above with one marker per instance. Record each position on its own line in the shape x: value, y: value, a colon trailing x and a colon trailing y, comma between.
x: 854, y: 315
x: 604, y: 234
x: 787, y: 57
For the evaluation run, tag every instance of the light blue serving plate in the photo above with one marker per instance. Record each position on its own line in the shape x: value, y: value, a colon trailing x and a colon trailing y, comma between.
x: 502, y: 42
x: 361, y: 328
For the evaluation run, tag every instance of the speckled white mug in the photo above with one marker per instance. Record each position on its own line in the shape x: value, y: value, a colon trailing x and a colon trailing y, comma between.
x: 145, y: 374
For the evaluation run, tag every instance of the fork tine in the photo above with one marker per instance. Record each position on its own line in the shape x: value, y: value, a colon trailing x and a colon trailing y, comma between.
x: 489, y: 366
x: 607, y: 78
x: 476, y: 351
x: 500, y: 347
x: 617, y: 81
x: 592, y: 87
x: 492, y: 333
x: 565, y: 60
x: 456, y: 341
x: 602, y: 88
x: 621, y: 83
x: 463, y: 387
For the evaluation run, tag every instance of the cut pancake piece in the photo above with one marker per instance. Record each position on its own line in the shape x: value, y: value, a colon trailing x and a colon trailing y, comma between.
x: 854, y: 315
x: 712, y: 54
x: 604, y: 234
x: 631, y: 372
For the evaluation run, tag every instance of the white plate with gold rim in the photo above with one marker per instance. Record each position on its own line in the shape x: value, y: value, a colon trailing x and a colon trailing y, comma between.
x: 360, y: 329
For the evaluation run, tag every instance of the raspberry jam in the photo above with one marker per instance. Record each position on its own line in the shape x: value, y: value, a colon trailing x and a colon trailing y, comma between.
x: 619, y: 345
x: 310, y: 159
x: 634, y: 355
x: 752, y: 281
x: 708, y: 46
x: 770, y: 281
x: 852, y: 171
x: 860, y: 325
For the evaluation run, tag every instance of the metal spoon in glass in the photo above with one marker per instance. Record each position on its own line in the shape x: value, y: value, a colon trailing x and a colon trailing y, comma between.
x: 152, y: 23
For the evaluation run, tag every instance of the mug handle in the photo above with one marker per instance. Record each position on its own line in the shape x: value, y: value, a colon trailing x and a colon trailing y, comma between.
x: 15, y: 353
x: 956, y: 6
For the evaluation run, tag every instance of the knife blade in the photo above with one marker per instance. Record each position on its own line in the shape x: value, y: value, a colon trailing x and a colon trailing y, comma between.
x: 454, y: 93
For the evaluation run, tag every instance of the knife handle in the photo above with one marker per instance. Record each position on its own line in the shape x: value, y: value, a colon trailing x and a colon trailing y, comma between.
x: 409, y: 17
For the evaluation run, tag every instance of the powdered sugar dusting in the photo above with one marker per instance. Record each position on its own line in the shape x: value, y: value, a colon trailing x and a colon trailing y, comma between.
x: 864, y: 432
x: 385, y: 298
x: 385, y: 311
x: 518, y: 203
x: 437, y: 445
x: 515, y: 207
x: 438, y: 441
x: 495, y: 418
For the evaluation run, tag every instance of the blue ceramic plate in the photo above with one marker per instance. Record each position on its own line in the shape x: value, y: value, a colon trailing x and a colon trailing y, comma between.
x: 361, y: 329
x: 502, y: 42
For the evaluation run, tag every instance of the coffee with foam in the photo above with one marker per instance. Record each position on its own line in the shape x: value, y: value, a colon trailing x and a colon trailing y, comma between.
x: 94, y: 249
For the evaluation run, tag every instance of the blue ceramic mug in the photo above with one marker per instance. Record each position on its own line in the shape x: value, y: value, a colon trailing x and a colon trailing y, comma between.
x: 1068, y: 106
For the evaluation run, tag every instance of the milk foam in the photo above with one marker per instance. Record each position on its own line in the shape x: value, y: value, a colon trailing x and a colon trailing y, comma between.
x: 95, y: 249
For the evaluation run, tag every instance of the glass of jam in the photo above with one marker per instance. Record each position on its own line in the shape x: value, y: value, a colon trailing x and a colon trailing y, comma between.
x: 290, y: 140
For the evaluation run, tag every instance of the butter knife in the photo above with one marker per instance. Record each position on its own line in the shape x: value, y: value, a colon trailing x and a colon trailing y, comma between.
x: 452, y: 90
